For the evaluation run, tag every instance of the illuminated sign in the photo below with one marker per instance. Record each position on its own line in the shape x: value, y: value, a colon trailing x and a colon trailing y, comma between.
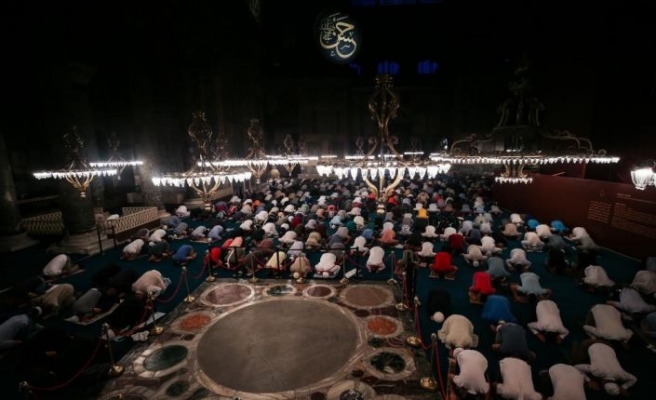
x: 338, y: 37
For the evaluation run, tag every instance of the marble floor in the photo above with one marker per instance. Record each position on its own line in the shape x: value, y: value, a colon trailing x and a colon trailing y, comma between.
x: 279, y: 339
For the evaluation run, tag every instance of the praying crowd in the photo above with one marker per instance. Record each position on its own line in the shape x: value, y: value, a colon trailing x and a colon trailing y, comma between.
x: 332, y: 230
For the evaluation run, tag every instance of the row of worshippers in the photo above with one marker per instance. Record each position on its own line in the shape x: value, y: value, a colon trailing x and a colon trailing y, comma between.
x: 567, y: 381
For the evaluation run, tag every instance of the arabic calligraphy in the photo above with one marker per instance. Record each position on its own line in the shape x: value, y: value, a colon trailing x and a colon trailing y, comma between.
x: 338, y: 35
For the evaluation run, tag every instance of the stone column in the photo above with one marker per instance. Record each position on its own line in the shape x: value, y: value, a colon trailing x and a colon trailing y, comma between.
x: 12, y: 237
x: 152, y: 195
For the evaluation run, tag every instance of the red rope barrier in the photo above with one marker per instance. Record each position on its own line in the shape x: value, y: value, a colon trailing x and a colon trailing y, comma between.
x: 436, y: 353
x: 68, y: 382
x: 177, y: 289
x: 202, y: 271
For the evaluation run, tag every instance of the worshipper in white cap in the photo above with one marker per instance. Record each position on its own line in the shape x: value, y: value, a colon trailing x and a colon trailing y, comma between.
x: 605, y: 368
x: 182, y: 212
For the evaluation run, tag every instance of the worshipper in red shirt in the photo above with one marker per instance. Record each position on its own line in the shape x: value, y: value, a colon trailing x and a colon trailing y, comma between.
x: 457, y: 243
x: 481, y: 287
x: 443, y: 264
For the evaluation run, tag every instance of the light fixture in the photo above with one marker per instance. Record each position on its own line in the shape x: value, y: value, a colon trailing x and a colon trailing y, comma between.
x: 79, y: 173
x: 115, y: 160
x: 381, y: 166
x: 644, y: 175
x: 205, y: 177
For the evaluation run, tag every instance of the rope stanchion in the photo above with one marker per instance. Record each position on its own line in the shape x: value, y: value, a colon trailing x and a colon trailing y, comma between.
x: 189, y: 298
x: 156, y: 329
x: 428, y: 382
x: 402, y: 306
x: 254, y: 278
x: 210, y: 272
x: 391, y: 280
x: 436, y: 354
x: 115, y: 370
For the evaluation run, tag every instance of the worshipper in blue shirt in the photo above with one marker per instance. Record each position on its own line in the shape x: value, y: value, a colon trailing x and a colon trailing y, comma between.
x: 496, y: 309
x: 18, y: 329
x: 558, y: 226
x: 532, y: 224
x: 215, y: 232
x: 184, y: 254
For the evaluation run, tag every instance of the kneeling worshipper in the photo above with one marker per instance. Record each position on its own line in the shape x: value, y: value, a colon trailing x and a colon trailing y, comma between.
x: 511, y: 341
x: 474, y: 255
x: 489, y: 246
x: 18, y: 329
x: 549, y: 325
x: 93, y: 302
x: 497, y: 310
x: 470, y: 382
x: 131, y: 312
x: 518, y: 260
x: 532, y: 242
x: 510, y: 231
x: 605, y: 322
x: 556, y: 263
x: 481, y: 288
x: 255, y: 260
x: 567, y: 382
x: 327, y: 267
x: 458, y: 331
x: 133, y: 249
x: 443, y: 264
x: 184, y: 254
x: 60, y: 265
x: 496, y: 268
x: 645, y: 282
x: 216, y: 232
x: 199, y: 233
x: 543, y: 231
x: 157, y: 235
x: 517, y: 380
x: 595, y: 279
x: 151, y: 282
x: 158, y: 251
x: 438, y: 305
x: 632, y: 303
x: 276, y: 263
x: 530, y: 289
x: 55, y: 299
x: 376, y: 259
x: 556, y: 242
x: 605, y: 368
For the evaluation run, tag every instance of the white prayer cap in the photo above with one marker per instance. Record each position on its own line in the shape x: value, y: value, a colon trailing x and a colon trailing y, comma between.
x: 439, y: 318
x: 457, y: 351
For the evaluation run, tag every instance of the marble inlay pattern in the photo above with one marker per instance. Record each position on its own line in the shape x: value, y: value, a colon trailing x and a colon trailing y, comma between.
x: 279, y: 290
x: 320, y: 291
x: 194, y: 322
x: 367, y: 297
x: 160, y: 360
x: 391, y: 372
x: 382, y: 326
x: 341, y: 390
x: 227, y: 295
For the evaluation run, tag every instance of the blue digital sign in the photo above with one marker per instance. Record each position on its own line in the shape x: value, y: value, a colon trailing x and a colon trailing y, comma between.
x: 338, y: 37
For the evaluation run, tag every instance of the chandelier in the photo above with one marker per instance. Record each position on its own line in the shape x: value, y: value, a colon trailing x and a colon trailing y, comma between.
x: 380, y: 165
x: 115, y: 160
x: 644, y: 176
x: 290, y: 155
x: 79, y: 173
x: 205, y: 177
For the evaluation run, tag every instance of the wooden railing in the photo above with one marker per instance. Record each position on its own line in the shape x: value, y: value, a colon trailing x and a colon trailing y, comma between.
x: 51, y: 224
x: 133, y: 217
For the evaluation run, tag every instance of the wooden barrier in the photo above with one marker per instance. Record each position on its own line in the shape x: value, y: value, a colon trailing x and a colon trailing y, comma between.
x: 51, y: 224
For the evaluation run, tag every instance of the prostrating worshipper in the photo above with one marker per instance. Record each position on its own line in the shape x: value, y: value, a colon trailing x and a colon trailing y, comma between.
x: 184, y: 254
x: 543, y: 231
x: 171, y: 222
x: 438, y: 305
x: 122, y: 281
x: 566, y: 382
x: 510, y: 231
x: 511, y: 341
x: 143, y: 234
x: 256, y: 259
x: 199, y: 233
x: 474, y: 236
x: 631, y: 303
x: 313, y: 242
x: 516, y: 219
x: 605, y: 369
x: 300, y: 268
x: 181, y: 231
x: 496, y: 268
x: 388, y: 238
x: 558, y: 227
x: 158, y: 251
x: 645, y: 282
x: 426, y: 254
x: 95, y: 301
x: 18, y: 329
x: 556, y: 242
x: 578, y: 233
x: 216, y: 232
x: 518, y: 260
x: 481, y: 288
x: 327, y: 266
x: 182, y: 211
x: 276, y: 264
x: 131, y: 312
x: 532, y: 242
x: 556, y: 263
x: 102, y: 278
x: 157, y: 235
x: 457, y: 331
x: 596, y: 280
x: 457, y: 243
x: 517, y: 380
x: 474, y: 256
x: 443, y: 264
x: 648, y: 326
x: 213, y: 257
x: 151, y: 282
x: 55, y: 299
x: 430, y: 232
x: 376, y: 259
x: 530, y: 289
x: 497, y: 310
x: 489, y: 246
x: 60, y: 265
x: 448, y: 231
x: 133, y: 250
x: 470, y: 382
x: 605, y: 322
x: 549, y: 326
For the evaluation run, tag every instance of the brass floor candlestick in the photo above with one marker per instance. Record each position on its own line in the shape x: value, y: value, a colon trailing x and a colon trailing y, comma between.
x: 428, y: 382
x: 189, y: 298
x: 115, y: 370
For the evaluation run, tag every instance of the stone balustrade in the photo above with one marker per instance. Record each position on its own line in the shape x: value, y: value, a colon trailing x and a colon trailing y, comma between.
x: 51, y: 224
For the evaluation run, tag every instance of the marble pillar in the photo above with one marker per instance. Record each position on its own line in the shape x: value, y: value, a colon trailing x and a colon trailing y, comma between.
x: 12, y: 236
x: 152, y: 195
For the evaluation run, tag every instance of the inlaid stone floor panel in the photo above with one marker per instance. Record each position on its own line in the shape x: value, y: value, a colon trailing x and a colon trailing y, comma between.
x: 279, y: 339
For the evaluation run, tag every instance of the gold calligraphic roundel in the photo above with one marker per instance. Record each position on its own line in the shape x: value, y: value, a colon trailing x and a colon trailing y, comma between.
x: 338, y: 36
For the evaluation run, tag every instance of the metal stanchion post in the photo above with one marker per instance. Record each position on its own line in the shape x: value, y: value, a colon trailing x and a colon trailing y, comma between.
x: 253, y: 277
x: 189, y: 298
x: 115, y: 369
x: 428, y: 382
x: 210, y: 274
x: 300, y: 279
x: 413, y: 340
x: 156, y: 330
x: 391, y: 280
x: 401, y: 306
x: 345, y: 280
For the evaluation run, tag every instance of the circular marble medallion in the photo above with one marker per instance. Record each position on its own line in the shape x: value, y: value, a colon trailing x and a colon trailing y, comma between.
x: 280, y: 290
x: 367, y: 296
x: 227, y: 295
x: 388, y: 363
x: 192, y: 322
x: 382, y: 326
x: 177, y: 389
x: 350, y: 390
x: 279, y: 345
x: 161, y: 359
x: 320, y: 291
